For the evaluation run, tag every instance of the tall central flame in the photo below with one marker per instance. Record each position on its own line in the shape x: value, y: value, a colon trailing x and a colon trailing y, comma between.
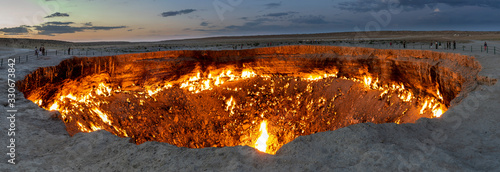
x: 261, y: 143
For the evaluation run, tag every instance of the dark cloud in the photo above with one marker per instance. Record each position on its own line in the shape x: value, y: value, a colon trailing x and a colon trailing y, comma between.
x: 272, y: 5
x: 15, y: 30
x: 204, y: 24
x: 50, y: 30
x: 271, y: 21
x: 53, y: 28
x: 57, y: 14
x: 175, y: 13
x: 88, y: 24
x: 103, y: 27
x: 58, y: 23
x: 371, y: 5
x: 249, y: 25
x: 455, y: 3
x: 309, y: 20
x: 279, y: 14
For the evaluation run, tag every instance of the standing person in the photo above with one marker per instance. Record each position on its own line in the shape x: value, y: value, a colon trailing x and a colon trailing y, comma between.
x: 69, y: 50
x: 390, y: 43
x: 36, y: 51
x: 454, y: 45
x: 485, y: 46
x: 431, y: 45
x: 436, y: 45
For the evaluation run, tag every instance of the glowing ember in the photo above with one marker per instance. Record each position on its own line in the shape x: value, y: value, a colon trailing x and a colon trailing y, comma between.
x: 437, y: 113
x: 54, y: 107
x: 261, y: 143
x: 102, y: 115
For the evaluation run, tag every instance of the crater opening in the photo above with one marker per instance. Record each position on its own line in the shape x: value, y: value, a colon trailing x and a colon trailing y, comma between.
x: 263, y: 98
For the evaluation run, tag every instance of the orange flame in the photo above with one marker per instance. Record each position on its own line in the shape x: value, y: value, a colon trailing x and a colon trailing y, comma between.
x: 79, y: 101
x: 261, y: 143
x: 54, y: 107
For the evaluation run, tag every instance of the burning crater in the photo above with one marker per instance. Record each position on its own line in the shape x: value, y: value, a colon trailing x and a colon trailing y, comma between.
x: 262, y: 98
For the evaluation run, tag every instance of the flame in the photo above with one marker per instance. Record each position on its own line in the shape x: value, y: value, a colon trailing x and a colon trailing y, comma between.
x: 38, y: 102
x: 261, y: 143
x: 368, y: 80
x: 248, y: 74
x: 437, y: 109
x: 398, y: 121
x: 439, y: 95
x: 54, y: 107
x: 82, y: 128
x: 102, y: 115
x: 437, y: 113
x: 230, y: 105
x: 314, y: 78
x: 317, y: 77
x: 71, y: 104
x: 102, y: 89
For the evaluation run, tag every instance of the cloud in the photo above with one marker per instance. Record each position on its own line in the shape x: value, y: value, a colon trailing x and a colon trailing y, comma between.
x: 15, y: 30
x: 371, y: 5
x: 58, y: 23
x: 279, y: 14
x: 437, y: 10
x: 57, y: 14
x: 272, y: 21
x: 53, y: 28
x: 272, y: 5
x: 175, y: 13
x: 309, y: 20
x: 88, y: 24
x: 204, y: 24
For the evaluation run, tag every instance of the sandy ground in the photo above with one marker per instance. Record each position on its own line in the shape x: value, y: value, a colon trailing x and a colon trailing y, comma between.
x: 465, y: 138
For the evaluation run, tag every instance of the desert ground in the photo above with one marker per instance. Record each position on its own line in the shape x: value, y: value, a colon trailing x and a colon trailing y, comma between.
x: 465, y: 138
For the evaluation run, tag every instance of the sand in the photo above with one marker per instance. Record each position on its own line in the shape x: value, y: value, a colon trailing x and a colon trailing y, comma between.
x: 465, y: 138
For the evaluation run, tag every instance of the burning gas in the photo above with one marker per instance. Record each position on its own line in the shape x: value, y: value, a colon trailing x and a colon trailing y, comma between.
x: 261, y: 143
x: 212, y: 103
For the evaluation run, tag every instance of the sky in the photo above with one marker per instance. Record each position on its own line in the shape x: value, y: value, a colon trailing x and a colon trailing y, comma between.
x: 155, y: 20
